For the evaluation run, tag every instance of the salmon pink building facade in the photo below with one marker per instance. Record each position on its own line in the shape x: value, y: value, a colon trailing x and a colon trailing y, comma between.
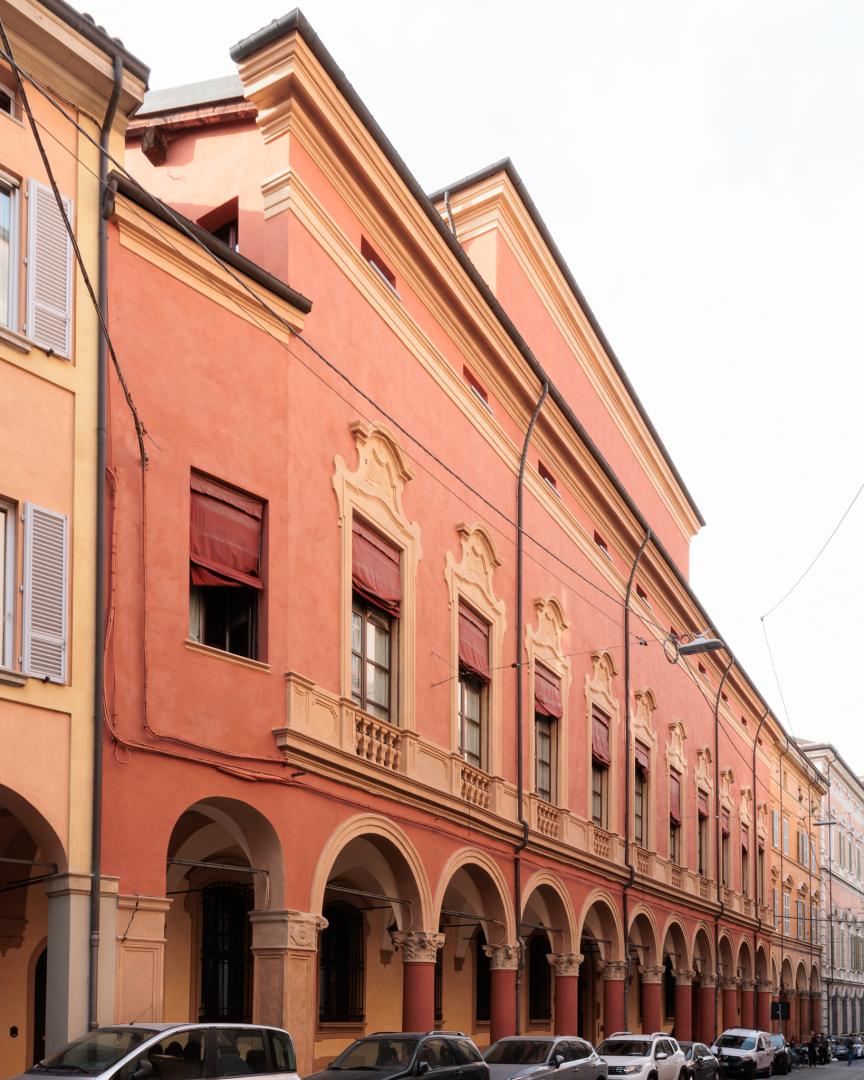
x: 398, y: 733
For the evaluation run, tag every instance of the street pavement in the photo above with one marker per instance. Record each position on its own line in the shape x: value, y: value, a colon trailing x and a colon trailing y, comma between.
x: 837, y: 1070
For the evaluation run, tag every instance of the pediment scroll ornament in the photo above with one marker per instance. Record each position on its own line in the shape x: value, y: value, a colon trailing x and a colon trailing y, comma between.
x: 704, y: 769
x: 676, y: 755
x: 599, y: 685
x: 745, y: 811
x: 551, y: 624
x: 476, y: 566
x: 381, y: 473
x: 727, y: 783
x: 644, y: 707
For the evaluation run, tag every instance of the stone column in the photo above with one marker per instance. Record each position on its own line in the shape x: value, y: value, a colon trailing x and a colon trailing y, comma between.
x: 614, y: 974
x: 140, y: 943
x: 652, y: 976
x: 816, y: 1014
x: 748, y: 1011
x: 419, y: 949
x: 804, y: 1015
x: 763, y: 1005
x: 707, y: 992
x: 68, y: 958
x: 684, y: 1003
x: 503, y: 962
x: 566, y: 969
x: 285, y: 950
x: 730, y: 1001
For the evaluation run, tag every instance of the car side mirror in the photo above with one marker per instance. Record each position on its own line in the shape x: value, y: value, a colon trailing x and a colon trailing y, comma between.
x: 558, y: 1060
x: 422, y: 1068
x: 144, y: 1070
x: 661, y: 1056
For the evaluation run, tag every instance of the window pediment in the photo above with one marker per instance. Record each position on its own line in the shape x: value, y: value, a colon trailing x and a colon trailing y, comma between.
x: 675, y: 753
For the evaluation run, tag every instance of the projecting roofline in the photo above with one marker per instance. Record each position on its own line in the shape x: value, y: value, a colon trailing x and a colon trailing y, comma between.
x: 807, y: 748
x: 98, y: 36
x: 190, y: 95
x: 505, y: 165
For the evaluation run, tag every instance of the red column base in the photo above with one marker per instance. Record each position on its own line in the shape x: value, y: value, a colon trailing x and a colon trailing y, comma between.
x: 502, y: 1005
x: 684, y: 1012
x: 418, y: 997
x: 566, y: 1004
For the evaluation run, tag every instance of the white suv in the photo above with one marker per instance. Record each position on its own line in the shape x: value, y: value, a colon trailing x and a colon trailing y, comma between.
x: 744, y: 1052
x: 643, y: 1057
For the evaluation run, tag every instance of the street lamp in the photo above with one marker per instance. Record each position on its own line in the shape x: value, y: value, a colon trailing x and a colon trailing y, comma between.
x: 702, y: 643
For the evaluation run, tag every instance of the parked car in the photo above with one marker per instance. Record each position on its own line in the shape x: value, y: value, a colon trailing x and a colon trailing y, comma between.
x: 744, y: 1052
x: 173, y: 1052
x: 395, y: 1054
x: 701, y: 1063
x: 520, y: 1056
x: 652, y: 1057
x: 782, y: 1056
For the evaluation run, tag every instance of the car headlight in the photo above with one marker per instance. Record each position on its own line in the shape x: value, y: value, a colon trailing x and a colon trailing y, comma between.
x: 630, y: 1069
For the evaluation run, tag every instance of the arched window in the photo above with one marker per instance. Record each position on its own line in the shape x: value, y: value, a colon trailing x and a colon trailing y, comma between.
x: 482, y: 980
x: 226, y: 958
x: 539, y: 978
x: 341, y: 981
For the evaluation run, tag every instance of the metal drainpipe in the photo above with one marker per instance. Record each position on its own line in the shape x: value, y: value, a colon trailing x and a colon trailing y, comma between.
x: 718, y: 843
x: 628, y: 719
x: 830, y: 924
x: 520, y: 789
x: 99, y: 631
x: 782, y: 894
x: 758, y: 929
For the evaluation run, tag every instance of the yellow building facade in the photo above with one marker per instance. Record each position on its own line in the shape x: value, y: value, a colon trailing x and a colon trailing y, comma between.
x: 49, y: 346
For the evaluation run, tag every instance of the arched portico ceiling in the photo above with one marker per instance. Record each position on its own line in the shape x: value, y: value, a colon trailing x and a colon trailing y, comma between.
x: 761, y: 962
x: 744, y: 962
x: 370, y: 854
x: 22, y: 823
x: 802, y: 983
x: 547, y: 903
x: 600, y: 923
x: 230, y: 832
x: 726, y: 956
x: 786, y: 978
x: 642, y: 937
x: 703, y: 950
x: 472, y: 886
x: 675, y: 944
x: 815, y: 980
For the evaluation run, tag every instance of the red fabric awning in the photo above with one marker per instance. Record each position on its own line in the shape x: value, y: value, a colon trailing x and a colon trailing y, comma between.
x: 674, y: 797
x: 703, y: 804
x: 724, y: 822
x: 643, y: 758
x: 473, y: 644
x: 375, y: 568
x: 224, y: 535
x: 547, y: 693
x: 745, y: 838
x: 600, y: 739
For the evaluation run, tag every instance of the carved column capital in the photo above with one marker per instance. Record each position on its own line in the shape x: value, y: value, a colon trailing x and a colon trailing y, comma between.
x: 615, y: 969
x: 684, y: 976
x: 708, y: 980
x: 764, y: 986
x: 651, y: 973
x: 502, y: 957
x: 418, y: 946
x: 748, y: 984
x: 295, y: 930
x: 730, y: 982
x: 565, y: 963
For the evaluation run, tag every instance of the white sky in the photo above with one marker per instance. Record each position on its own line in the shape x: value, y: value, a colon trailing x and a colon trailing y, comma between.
x: 701, y: 166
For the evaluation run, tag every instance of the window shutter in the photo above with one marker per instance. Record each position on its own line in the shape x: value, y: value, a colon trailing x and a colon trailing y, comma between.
x: 45, y: 588
x: 49, y: 271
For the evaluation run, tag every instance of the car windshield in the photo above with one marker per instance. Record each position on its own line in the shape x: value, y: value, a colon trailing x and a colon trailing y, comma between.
x: 386, y: 1055
x: 736, y: 1042
x: 778, y: 1041
x: 94, y: 1052
x: 624, y: 1048
x: 518, y: 1052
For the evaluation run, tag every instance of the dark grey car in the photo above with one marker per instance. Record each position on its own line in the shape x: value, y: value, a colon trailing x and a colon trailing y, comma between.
x: 394, y: 1055
x: 539, y: 1056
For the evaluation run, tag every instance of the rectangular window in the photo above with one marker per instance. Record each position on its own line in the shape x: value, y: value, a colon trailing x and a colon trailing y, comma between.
x: 8, y: 250
x: 600, y: 762
x: 378, y: 265
x: 760, y: 876
x: 372, y: 632
x: 675, y: 817
x: 785, y: 836
x: 49, y: 271
x: 546, y: 475
x: 787, y: 928
x: 8, y: 95
x: 775, y: 829
x: 543, y: 751
x: 745, y: 860
x: 640, y: 793
x: 474, y: 676
x: 44, y: 609
x: 599, y: 780
x: 226, y: 580
x: 702, y: 834
x: 7, y: 583
x: 548, y: 711
x: 800, y: 918
x: 725, y: 850
x: 814, y: 923
x: 774, y: 905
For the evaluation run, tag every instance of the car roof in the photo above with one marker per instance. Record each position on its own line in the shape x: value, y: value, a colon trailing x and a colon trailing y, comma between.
x: 162, y: 1025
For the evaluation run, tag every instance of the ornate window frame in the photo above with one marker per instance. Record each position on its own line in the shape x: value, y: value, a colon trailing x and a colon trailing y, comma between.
x: 676, y: 758
x: 599, y: 692
x: 544, y: 645
x: 470, y: 579
x: 373, y: 490
x: 703, y: 780
x: 644, y: 706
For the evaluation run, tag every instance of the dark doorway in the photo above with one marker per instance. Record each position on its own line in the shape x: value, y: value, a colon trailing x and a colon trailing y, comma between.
x: 341, y: 970
x: 40, y: 989
x: 226, y: 957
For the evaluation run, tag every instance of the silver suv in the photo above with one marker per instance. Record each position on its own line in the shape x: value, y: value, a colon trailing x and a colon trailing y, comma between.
x: 173, y: 1052
x: 744, y: 1052
x: 643, y: 1057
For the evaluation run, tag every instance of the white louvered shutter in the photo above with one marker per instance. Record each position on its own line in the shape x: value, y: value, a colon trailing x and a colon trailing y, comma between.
x: 49, y: 271
x: 45, y: 589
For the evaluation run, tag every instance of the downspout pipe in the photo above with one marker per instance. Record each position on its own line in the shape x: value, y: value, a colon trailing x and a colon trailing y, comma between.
x: 782, y: 893
x: 520, y: 707
x: 756, y: 897
x: 628, y: 795
x: 718, y: 845
x: 99, y: 620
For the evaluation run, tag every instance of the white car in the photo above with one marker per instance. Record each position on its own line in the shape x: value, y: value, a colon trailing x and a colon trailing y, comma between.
x: 744, y: 1052
x: 173, y: 1052
x: 643, y: 1057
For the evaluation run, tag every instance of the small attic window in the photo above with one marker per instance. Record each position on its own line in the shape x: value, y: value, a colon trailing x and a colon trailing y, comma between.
x: 477, y: 388
x: 378, y: 265
x: 643, y: 596
x: 601, y: 543
x: 8, y: 100
x: 725, y: 696
x: 702, y: 670
x: 224, y: 223
x: 546, y: 475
